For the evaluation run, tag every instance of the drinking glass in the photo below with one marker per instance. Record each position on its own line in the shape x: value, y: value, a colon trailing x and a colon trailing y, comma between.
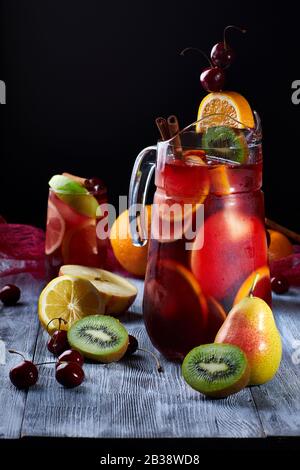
x: 71, y: 231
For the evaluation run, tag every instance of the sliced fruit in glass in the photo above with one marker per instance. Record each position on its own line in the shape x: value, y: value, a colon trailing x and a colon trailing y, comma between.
x: 55, y: 229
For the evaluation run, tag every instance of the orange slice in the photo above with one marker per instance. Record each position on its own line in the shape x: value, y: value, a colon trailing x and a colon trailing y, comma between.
x: 55, y: 229
x: 220, y: 184
x: 229, y: 103
x: 280, y: 246
x: 262, y: 288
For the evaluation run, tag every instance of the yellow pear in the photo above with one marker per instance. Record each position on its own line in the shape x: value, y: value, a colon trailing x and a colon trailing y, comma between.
x: 250, y: 325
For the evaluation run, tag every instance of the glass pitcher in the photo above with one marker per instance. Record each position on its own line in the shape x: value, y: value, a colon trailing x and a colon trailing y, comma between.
x: 208, y: 239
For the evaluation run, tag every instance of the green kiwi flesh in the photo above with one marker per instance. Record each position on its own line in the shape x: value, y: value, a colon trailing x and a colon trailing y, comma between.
x: 99, y: 337
x: 226, y: 142
x: 216, y: 371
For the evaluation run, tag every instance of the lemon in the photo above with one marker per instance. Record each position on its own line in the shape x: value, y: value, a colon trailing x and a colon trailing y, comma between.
x: 69, y: 298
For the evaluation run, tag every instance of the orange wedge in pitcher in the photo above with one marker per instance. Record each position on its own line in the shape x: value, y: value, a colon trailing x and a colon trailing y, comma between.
x: 228, y: 103
x: 262, y: 287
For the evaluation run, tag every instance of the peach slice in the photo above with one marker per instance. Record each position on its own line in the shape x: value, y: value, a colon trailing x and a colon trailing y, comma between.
x: 118, y: 293
x: 262, y: 288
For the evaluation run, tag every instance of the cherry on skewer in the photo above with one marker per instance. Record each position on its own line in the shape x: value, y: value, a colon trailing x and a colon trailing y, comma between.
x: 58, y: 343
x: 212, y: 78
x: 221, y: 54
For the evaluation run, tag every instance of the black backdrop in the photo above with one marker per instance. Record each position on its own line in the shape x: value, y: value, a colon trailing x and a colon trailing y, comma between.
x: 86, y: 79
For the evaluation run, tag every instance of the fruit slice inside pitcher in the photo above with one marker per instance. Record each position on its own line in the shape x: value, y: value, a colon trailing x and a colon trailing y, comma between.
x: 175, y: 311
x: 185, y: 186
x: 262, y: 287
x: 233, y: 242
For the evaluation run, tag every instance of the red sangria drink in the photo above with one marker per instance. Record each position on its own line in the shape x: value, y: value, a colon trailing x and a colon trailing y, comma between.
x: 208, y: 240
x: 73, y: 213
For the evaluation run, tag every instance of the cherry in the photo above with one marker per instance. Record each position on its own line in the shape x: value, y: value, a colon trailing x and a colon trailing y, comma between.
x: 70, y: 355
x: 25, y: 374
x: 221, y: 54
x: 58, y: 343
x: 212, y: 79
x: 95, y: 186
x: 280, y: 284
x: 133, y: 346
x: 69, y: 374
x: 10, y: 294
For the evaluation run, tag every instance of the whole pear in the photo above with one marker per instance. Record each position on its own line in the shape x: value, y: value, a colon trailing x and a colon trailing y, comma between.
x: 250, y: 325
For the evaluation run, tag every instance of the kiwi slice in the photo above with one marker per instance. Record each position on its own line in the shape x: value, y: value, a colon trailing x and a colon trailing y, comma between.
x: 216, y: 370
x: 99, y: 337
x: 226, y: 142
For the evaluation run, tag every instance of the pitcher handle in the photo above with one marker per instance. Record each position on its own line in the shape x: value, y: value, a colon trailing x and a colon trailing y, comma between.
x: 139, y: 183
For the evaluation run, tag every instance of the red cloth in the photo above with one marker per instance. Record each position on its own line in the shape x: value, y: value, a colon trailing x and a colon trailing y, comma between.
x: 22, y: 249
x: 288, y: 267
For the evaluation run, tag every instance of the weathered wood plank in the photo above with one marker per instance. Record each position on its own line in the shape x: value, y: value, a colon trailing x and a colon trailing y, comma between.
x: 18, y: 330
x: 278, y: 401
x: 131, y: 399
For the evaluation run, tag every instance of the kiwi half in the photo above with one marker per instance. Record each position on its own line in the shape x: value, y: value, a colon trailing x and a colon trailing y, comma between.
x: 226, y: 142
x: 99, y: 337
x: 216, y: 370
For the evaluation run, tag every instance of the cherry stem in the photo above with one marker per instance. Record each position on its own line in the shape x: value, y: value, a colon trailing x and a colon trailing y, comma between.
x: 197, y: 50
x: 60, y: 321
x: 232, y: 26
x: 255, y: 280
x: 158, y: 364
x: 45, y: 363
x: 13, y: 351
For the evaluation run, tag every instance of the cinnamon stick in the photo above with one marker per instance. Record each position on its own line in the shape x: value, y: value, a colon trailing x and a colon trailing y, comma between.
x: 162, y: 126
x: 280, y: 228
x: 78, y: 179
x: 174, y: 130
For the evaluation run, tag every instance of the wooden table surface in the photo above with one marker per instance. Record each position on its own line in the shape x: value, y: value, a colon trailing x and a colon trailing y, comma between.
x: 129, y: 398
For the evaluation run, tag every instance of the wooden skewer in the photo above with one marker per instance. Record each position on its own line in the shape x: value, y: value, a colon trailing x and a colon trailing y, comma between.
x: 280, y: 228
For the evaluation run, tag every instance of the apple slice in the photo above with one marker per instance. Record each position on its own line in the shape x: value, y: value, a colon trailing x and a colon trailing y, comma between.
x: 119, y: 293
x: 74, y: 195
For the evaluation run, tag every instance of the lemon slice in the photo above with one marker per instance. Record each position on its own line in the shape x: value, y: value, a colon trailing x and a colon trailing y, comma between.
x: 70, y: 298
x: 229, y: 103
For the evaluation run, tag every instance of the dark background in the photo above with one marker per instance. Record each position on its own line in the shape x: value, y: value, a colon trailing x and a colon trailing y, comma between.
x: 86, y: 79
